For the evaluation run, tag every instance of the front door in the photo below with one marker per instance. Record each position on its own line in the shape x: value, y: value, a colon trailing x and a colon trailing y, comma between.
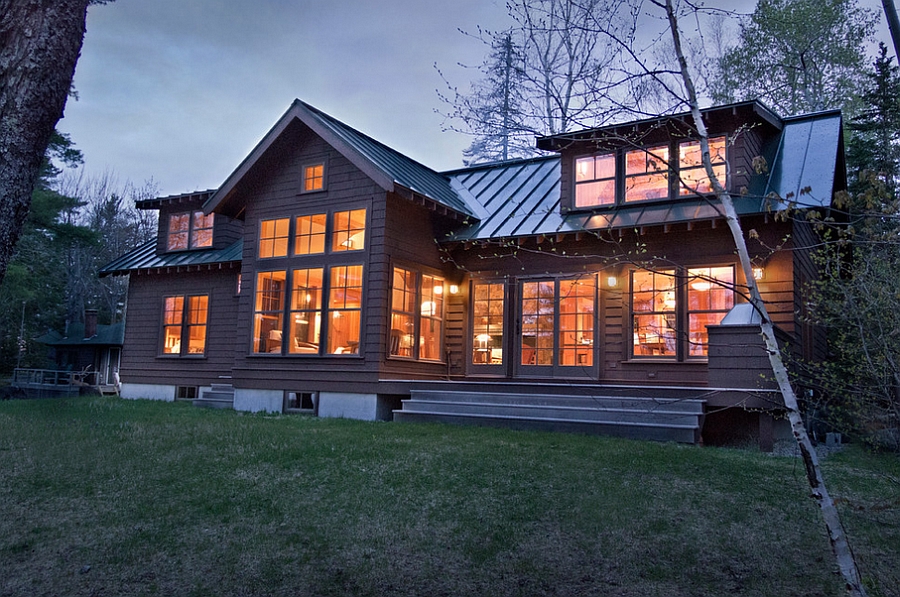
x: 557, y: 327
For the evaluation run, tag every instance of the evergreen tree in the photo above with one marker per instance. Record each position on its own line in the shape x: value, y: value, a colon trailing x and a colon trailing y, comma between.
x: 797, y: 55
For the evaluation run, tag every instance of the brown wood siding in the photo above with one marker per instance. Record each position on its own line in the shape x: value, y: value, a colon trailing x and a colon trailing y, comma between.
x: 702, y: 245
x: 141, y: 360
x: 410, y: 231
x: 811, y: 338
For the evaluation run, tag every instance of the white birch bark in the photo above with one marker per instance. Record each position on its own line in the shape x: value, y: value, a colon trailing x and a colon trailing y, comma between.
x: 839, y: 544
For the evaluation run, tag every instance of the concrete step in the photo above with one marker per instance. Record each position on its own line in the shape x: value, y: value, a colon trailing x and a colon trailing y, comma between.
x: 660, y: 419
x: 641, y: 431
x: 683, y: 405
x: 605, y: 414
x: 218, y: 396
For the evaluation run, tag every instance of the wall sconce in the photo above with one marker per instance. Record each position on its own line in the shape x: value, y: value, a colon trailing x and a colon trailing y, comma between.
x: 612, y: 281
x: 454, y: 289
x: 758, y: 273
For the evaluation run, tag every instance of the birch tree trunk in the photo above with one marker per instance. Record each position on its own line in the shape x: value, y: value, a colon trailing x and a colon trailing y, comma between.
x: 839, y: 544
x: 40, y: 41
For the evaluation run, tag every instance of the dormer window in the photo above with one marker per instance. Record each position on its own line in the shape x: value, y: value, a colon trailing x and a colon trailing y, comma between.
x: 693, y: 174
x: 646, y: 174
x: 595, y: 180
x: 189, y: 230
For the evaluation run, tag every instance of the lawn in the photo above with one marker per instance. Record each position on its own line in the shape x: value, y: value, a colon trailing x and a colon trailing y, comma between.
x: 104, y: 496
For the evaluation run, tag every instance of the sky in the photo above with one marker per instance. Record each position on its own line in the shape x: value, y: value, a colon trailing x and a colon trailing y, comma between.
x: 180, y: 91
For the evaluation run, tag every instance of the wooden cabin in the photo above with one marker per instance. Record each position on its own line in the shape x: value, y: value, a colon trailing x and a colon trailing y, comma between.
x: 593, y: 289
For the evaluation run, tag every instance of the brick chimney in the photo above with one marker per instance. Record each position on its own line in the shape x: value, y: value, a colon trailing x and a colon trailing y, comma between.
x: 90, y: 323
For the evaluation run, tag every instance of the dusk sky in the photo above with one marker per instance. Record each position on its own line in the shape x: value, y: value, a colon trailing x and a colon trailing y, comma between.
x: 180, y: 91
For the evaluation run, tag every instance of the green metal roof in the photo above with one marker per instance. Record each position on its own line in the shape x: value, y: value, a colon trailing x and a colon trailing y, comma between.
x: 388, y: 168
x: 107, y: 335
x: 145, y: 257
x: 521, y: 198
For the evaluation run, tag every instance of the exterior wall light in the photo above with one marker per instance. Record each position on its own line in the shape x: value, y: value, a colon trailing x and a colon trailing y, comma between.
x: 454, y: 289
x: 758, y: 273
x: 612, y: 281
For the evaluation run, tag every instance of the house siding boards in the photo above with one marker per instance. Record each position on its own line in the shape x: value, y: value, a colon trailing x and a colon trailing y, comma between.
x: 499, y: 222
x: 142, y: 361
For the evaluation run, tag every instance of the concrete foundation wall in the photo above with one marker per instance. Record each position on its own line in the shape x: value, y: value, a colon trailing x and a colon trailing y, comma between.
x: 366, y: 407
x: 137, y: 391
x: 254, y: 401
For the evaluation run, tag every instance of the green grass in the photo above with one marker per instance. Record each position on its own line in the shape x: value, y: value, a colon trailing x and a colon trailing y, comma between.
x: 103, y: 496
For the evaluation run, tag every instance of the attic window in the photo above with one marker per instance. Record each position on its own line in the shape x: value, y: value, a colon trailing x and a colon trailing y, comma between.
x: 314, y: 177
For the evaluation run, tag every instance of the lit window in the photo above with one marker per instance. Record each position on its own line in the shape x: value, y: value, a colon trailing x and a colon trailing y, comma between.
x: 538, y: 310
x: 647, y: 173
x: 691, y: 171
x: 595, y: 180
x: 576, y: 322
x: 313, y: 178
x: 662, y: 302
x: 268, y: 312
x: 710, y: 298
x: 309, y: 235
x: 487, y: 328
x: 344, y: 310
x: 179, y: 231
x: 189, y: 230
x: 201, y: 230
x: 349, y: 232
x: 431, y: 324
x: 273, y: 238
x: 306, y: 311
x: 180, y: 323
x: 653, y: 307
x: 417, y: 310
x: 403, y: 313
x: 173, y: 316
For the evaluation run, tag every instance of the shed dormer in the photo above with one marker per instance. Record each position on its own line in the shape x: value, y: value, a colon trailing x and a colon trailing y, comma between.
x: 658, y: 160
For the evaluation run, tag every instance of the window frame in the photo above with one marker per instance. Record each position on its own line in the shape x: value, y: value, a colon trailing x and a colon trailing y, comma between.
x: 190, y: 232
x: 416, y: 299
x: 672, y: 173
x: 681, y: 311
x: 305, y: 176
x: 185, y: 325
x: 486, y: 347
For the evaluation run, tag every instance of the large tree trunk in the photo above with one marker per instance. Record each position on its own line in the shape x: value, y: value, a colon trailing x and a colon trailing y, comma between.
x: 839, y: 544
x: 40, y: 41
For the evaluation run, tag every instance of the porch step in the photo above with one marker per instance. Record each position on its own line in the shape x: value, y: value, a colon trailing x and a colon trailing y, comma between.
x: 218, y: 396
x: 660, y: 419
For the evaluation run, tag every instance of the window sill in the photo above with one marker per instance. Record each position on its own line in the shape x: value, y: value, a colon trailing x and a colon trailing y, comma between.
x: 664, y: 360
x: 182, y: 356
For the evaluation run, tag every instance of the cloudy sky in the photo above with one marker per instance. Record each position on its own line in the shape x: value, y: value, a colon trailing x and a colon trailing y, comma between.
x: 179, y: 91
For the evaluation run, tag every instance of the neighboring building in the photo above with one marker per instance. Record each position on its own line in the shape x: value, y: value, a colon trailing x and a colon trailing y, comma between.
x: 333, y: 274
x: 89, y: 352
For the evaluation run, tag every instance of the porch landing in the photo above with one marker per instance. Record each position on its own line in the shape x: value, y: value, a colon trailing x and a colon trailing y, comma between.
x: 677, y: 419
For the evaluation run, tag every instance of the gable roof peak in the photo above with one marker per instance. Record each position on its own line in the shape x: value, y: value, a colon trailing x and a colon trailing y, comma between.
x: 388, y: 168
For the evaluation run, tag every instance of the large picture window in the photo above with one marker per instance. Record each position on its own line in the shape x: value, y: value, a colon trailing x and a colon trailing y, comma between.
x: 184, y: 324
x: 306, y: 311
x: 417, y: 308
x: 189, y: 230
x: 671, y: 309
